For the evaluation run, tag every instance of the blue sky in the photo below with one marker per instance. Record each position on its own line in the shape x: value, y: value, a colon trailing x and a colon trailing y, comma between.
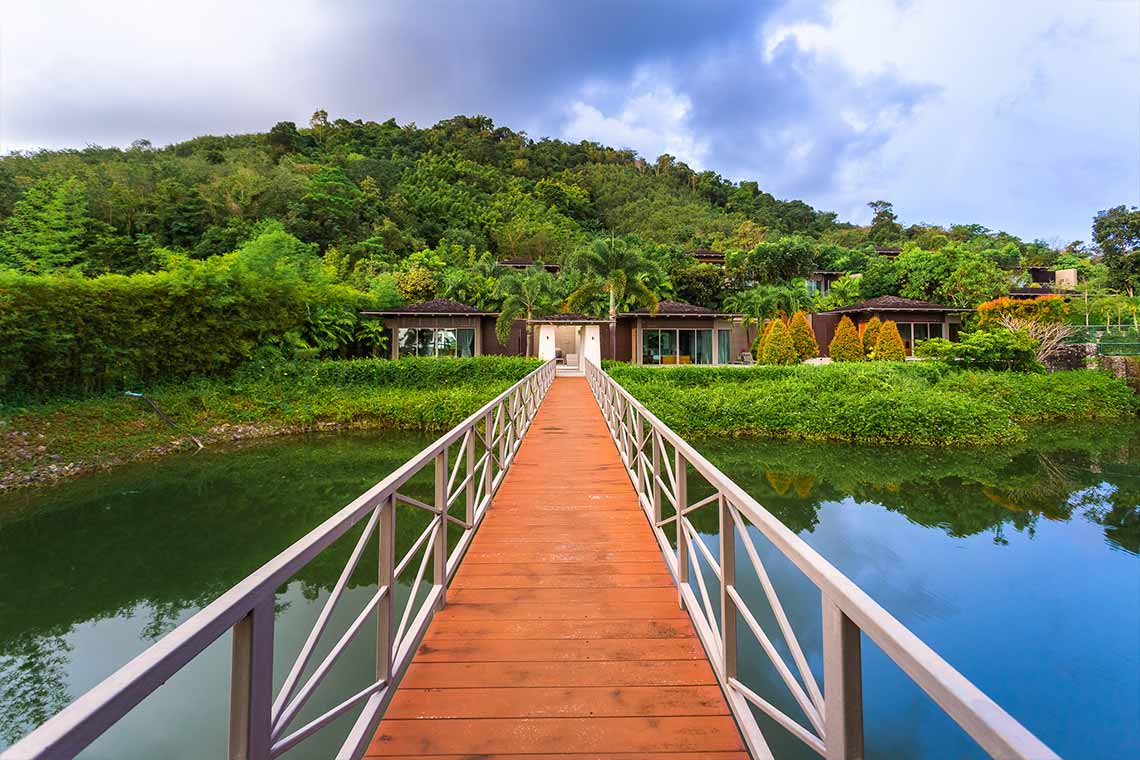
x: 1022, y: 116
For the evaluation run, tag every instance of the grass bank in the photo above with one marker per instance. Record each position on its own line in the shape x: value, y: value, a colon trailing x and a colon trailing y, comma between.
x: 48, y: 440
x: 928, y: 403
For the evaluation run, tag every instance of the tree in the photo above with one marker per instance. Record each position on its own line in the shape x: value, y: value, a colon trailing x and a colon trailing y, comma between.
x: 528, y: 293
x: 871, y: 333
x: 884, y: 225
x: 1049, y: 336
x: 803, y: 337
x: 973, y: 280
x: 779, y: 348
x: 417, y: 284
x: 880, y: 278
x: 782, y: 260
x: 766, y: 301
x: 846, y: 346
x: 47, y: 228
x: 614, y: 268
x: 889, y: 346
x: 700, y: 284
x: 1117, y: 232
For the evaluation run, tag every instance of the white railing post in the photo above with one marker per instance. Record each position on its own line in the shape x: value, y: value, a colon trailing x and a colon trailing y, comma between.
x: 469, y: 497
x: 727, y: 581
x: 489, y: 465
x: 842, y: 684
x: 386, y: 531
x: 251, y: 683
x: 681, y: 473
x: 656, y: 476
x: 440, y: 545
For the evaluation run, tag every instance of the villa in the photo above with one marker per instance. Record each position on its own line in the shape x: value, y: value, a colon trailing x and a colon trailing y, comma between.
x: 679, y: 333
x: 916, y: 320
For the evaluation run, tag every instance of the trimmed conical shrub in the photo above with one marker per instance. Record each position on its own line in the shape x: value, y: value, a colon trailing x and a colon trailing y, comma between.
x: 761, y: 340
x: 803, y: 337
x: 889, y: 346
x: 846, y: 346
x: 871, y: 335
x: 779, y: 349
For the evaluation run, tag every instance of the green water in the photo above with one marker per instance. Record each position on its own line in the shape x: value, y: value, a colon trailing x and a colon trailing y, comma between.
x: 1019, y: 565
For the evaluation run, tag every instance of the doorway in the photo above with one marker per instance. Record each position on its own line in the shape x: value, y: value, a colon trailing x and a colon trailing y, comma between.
x: 567, y: 342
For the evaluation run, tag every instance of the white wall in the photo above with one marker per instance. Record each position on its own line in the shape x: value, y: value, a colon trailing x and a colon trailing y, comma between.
x: 546, y: 342
x: 592, y: 344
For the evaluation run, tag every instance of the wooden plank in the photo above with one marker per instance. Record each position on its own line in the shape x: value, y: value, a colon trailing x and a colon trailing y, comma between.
x: 579, y: 702
x: 561, y: 629
x: 438, y: 649
x: 565, y: 735
x: 577, y: 597
x: 590, y: 756
x: 562, y: 636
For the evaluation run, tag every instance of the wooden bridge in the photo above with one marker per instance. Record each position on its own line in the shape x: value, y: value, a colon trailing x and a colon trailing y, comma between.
x: 575, y: 618
x: 562, y: 633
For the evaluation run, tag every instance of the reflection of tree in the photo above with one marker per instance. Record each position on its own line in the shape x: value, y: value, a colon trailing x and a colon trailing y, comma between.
x: 962, y: 491
x: 33, y: 682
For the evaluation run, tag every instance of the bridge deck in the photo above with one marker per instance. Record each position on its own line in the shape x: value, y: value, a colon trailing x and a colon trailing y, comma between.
x: 562, y: 635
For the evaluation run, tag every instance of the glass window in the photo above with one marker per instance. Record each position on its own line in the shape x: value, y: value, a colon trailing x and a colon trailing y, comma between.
x: 904, y: 331
x: 445, y: 342
x: 425, y: 342
x: 406, y: 341
x: 722, y: 347
x: 687, y: 347
x: 920, y: 332
x: 704, y: 352
x: 668, y: 346
x: 466, y: 340
x: 650, y: 347
x: 813, y: 288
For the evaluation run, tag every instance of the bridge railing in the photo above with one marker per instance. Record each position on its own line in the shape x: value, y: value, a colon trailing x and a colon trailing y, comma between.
x: 259, y: 728
x: 659, y: 463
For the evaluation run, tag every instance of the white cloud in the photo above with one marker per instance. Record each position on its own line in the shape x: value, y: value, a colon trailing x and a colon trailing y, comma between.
x: 652, y: 119
x: 1033, y: 122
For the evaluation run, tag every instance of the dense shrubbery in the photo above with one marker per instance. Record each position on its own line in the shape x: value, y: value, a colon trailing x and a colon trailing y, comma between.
x: 925, y: 403
x: 889, y: 346
x: 870, y: 334
x: 1041, y: 309
x: 263, y: 397
x: 778, y: 348
x: 986, y: 349
x: 66, y: 333
x: 803, y: 337
x: 847, y: 345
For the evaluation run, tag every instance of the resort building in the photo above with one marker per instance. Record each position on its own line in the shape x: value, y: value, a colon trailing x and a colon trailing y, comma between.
x: 820, y: 281
x: 679, y: 333
x: 445, y: 328
x: 916, y: 320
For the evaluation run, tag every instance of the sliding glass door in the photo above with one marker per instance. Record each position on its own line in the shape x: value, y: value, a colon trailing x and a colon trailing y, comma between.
x: 672, y: 347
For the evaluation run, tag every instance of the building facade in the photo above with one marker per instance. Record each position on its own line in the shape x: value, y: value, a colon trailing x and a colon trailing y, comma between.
x: 916, y: 320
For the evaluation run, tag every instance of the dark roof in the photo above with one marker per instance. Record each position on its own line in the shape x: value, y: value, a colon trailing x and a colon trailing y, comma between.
x: 884, y: 250
x: 521, y: 262
x: 440, y: 306
x: 677, y: 309
x: 569, y: 318
x: 894, y: 303
x: 705, y: 254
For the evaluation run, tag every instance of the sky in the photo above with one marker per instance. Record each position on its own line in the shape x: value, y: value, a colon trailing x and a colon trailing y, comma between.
x: 1021, y: 115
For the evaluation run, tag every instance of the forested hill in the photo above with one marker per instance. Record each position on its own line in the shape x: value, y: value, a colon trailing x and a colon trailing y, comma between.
x: 383, y: 189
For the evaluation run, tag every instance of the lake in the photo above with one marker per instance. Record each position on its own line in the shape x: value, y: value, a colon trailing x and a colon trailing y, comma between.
x: 1019, y: 565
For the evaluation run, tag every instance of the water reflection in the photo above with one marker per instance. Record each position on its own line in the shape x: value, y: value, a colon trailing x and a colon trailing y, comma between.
x: 149, y: 545
x: 1018, y: 565
x: 1063, y: 472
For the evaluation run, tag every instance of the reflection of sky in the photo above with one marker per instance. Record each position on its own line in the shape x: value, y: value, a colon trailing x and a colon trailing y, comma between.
x: 1048, y: 626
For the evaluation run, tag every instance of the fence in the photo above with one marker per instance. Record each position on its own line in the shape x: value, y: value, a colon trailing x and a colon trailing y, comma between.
x: 659, y: 463
x: 483, y: 447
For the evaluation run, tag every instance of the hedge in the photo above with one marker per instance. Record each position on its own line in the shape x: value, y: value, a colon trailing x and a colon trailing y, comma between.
x: 889, y: 346
x: 846, y: 346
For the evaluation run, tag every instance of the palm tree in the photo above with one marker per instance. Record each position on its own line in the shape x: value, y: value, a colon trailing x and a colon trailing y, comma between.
x: 764, y: 302
x: 530, y: 293
x: 612, y: 268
